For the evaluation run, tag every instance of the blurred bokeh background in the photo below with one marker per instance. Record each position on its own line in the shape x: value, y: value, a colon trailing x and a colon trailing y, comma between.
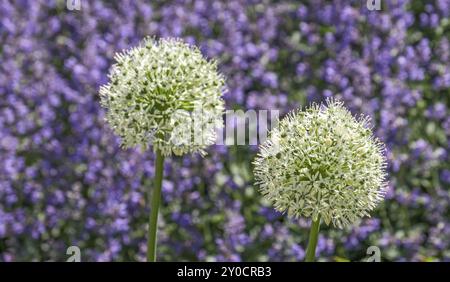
x: 64, y: 180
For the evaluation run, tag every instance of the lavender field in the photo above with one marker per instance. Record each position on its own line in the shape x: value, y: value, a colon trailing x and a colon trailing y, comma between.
x: 65, y: 180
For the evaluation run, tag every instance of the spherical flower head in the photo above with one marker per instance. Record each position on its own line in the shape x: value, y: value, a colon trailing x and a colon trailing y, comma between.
x: 323, y: 162
x: 153, y: 91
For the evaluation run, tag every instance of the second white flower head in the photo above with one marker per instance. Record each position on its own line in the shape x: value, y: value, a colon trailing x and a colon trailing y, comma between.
x: 322, y: 162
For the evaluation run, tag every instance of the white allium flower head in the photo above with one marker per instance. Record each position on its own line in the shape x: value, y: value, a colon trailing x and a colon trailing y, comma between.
x: 154, y: 87
x: 323, y: 162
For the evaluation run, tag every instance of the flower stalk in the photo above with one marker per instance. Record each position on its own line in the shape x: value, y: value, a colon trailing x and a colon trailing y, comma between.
x: 313, y: 238
x: 156, y: 199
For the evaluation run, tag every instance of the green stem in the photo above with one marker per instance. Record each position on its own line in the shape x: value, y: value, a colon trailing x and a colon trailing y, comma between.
x: 313, y: 237
x: 156, y: 198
